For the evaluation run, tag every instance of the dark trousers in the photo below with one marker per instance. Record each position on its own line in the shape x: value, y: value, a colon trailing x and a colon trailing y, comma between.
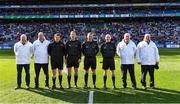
x: 144, y: 70
x: 124, y: 69
x: 19, y: 73
x: 37, y: 72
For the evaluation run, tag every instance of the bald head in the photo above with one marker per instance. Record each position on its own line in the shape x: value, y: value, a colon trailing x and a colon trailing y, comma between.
x: 147, y: 38
x: 23, y: 38
x: 41, y: 36
x: 127, y: 37
x: 108, y: 38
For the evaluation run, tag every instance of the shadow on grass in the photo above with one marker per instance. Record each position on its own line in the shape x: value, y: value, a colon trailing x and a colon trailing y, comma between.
x: 158, y: 95
x: 74, y: 95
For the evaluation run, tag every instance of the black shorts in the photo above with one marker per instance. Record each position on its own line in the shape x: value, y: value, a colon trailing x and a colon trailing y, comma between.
x: 72, y: 61
x: 108, y: 63
x: 57, y: 63
x: 89, y: 62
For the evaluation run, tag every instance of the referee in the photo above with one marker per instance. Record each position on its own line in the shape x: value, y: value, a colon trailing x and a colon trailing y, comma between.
x: 90, y: 49
x: 108, y: 50
x: 73, y: 57
x: 126, y: 50
x: 40, y: 47
x: 148, y: 57
x: 56, y: 51
x: 23, y: 51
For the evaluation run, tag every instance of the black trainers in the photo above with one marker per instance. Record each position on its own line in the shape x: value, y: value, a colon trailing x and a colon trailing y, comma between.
x: 36, y: 87
x: 17, y: 87
x: 61, y: 87
x: 53, y: 87
x: 75, y: 86
x: 47, y: 87
x: 113, y: 87
x: 104, y: 87
x: 27, y: 87
x: 123, y: 87
x: 94, y: 86
x: 152, y: 87
x: 85, y: 87
x: 134, y: 88
x: 144, y: 87
x: 69, y: 87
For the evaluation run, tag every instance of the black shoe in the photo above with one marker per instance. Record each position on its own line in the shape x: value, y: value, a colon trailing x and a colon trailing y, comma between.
x: 104, y: 87
x: 47, y: 87
x: 61, y: 87
x: 134, y: 88
x: 94, y: 86
x: 36, y: 87
x: 27, y: 87
x: 75, y: 86
x: 144, y: 87
x: 17, y: 87
x: 53, y: 87
x: 113, y: 87
x: 123, y: 87
x: 152, y: 87
x: 85, y: 87
x: 69, y: 87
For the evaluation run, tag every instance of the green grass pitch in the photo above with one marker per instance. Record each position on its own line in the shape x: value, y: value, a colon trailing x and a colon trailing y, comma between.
x: 167, y: 83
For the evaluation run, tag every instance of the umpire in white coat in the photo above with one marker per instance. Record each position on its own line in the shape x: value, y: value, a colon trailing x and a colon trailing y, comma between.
x: 147, y: 56
x: 126, y: 50
x: 40, y: 48
x: 23, y: 51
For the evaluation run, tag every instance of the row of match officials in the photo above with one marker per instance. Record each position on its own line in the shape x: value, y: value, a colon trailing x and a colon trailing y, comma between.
x: 146, y: 51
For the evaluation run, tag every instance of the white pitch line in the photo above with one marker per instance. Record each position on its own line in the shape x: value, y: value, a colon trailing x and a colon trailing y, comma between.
x: 90, y: 97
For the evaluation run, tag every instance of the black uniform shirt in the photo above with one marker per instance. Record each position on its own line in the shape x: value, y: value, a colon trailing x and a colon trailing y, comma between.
x: 56, y: 50
x: 90, y: 49
x: 108, y: 50
x: 73, y: 48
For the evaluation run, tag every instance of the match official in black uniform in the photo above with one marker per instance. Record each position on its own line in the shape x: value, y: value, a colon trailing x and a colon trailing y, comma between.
x: 90, y: 49
x: 108, y: 50
x: 56, y: 51
x: 73, y: 57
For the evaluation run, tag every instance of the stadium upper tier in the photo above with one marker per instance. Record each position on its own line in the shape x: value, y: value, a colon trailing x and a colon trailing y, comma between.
x: 175, y: 4
x: 90, y: 11
x: 51, y: 2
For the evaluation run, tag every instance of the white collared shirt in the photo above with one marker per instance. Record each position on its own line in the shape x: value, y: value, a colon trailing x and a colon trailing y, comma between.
x: 23, y: 52
x: 147, y: 54
x: 126, y: 52
x: 40, y: 50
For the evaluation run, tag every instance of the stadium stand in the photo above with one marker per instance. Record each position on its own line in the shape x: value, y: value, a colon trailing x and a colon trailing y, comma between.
x: 154, y: 18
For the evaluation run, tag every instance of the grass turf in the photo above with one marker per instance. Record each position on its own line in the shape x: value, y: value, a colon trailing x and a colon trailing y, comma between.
x: 166, y: 81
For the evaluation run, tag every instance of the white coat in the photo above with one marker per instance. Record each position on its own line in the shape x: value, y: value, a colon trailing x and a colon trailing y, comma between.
x: 23, y: 52
x: 40, y: 50
x: 147, y: 54
x: 126, y: 52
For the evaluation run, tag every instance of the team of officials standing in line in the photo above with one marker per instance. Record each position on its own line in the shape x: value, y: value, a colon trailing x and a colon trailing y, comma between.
x: 147, y: 56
